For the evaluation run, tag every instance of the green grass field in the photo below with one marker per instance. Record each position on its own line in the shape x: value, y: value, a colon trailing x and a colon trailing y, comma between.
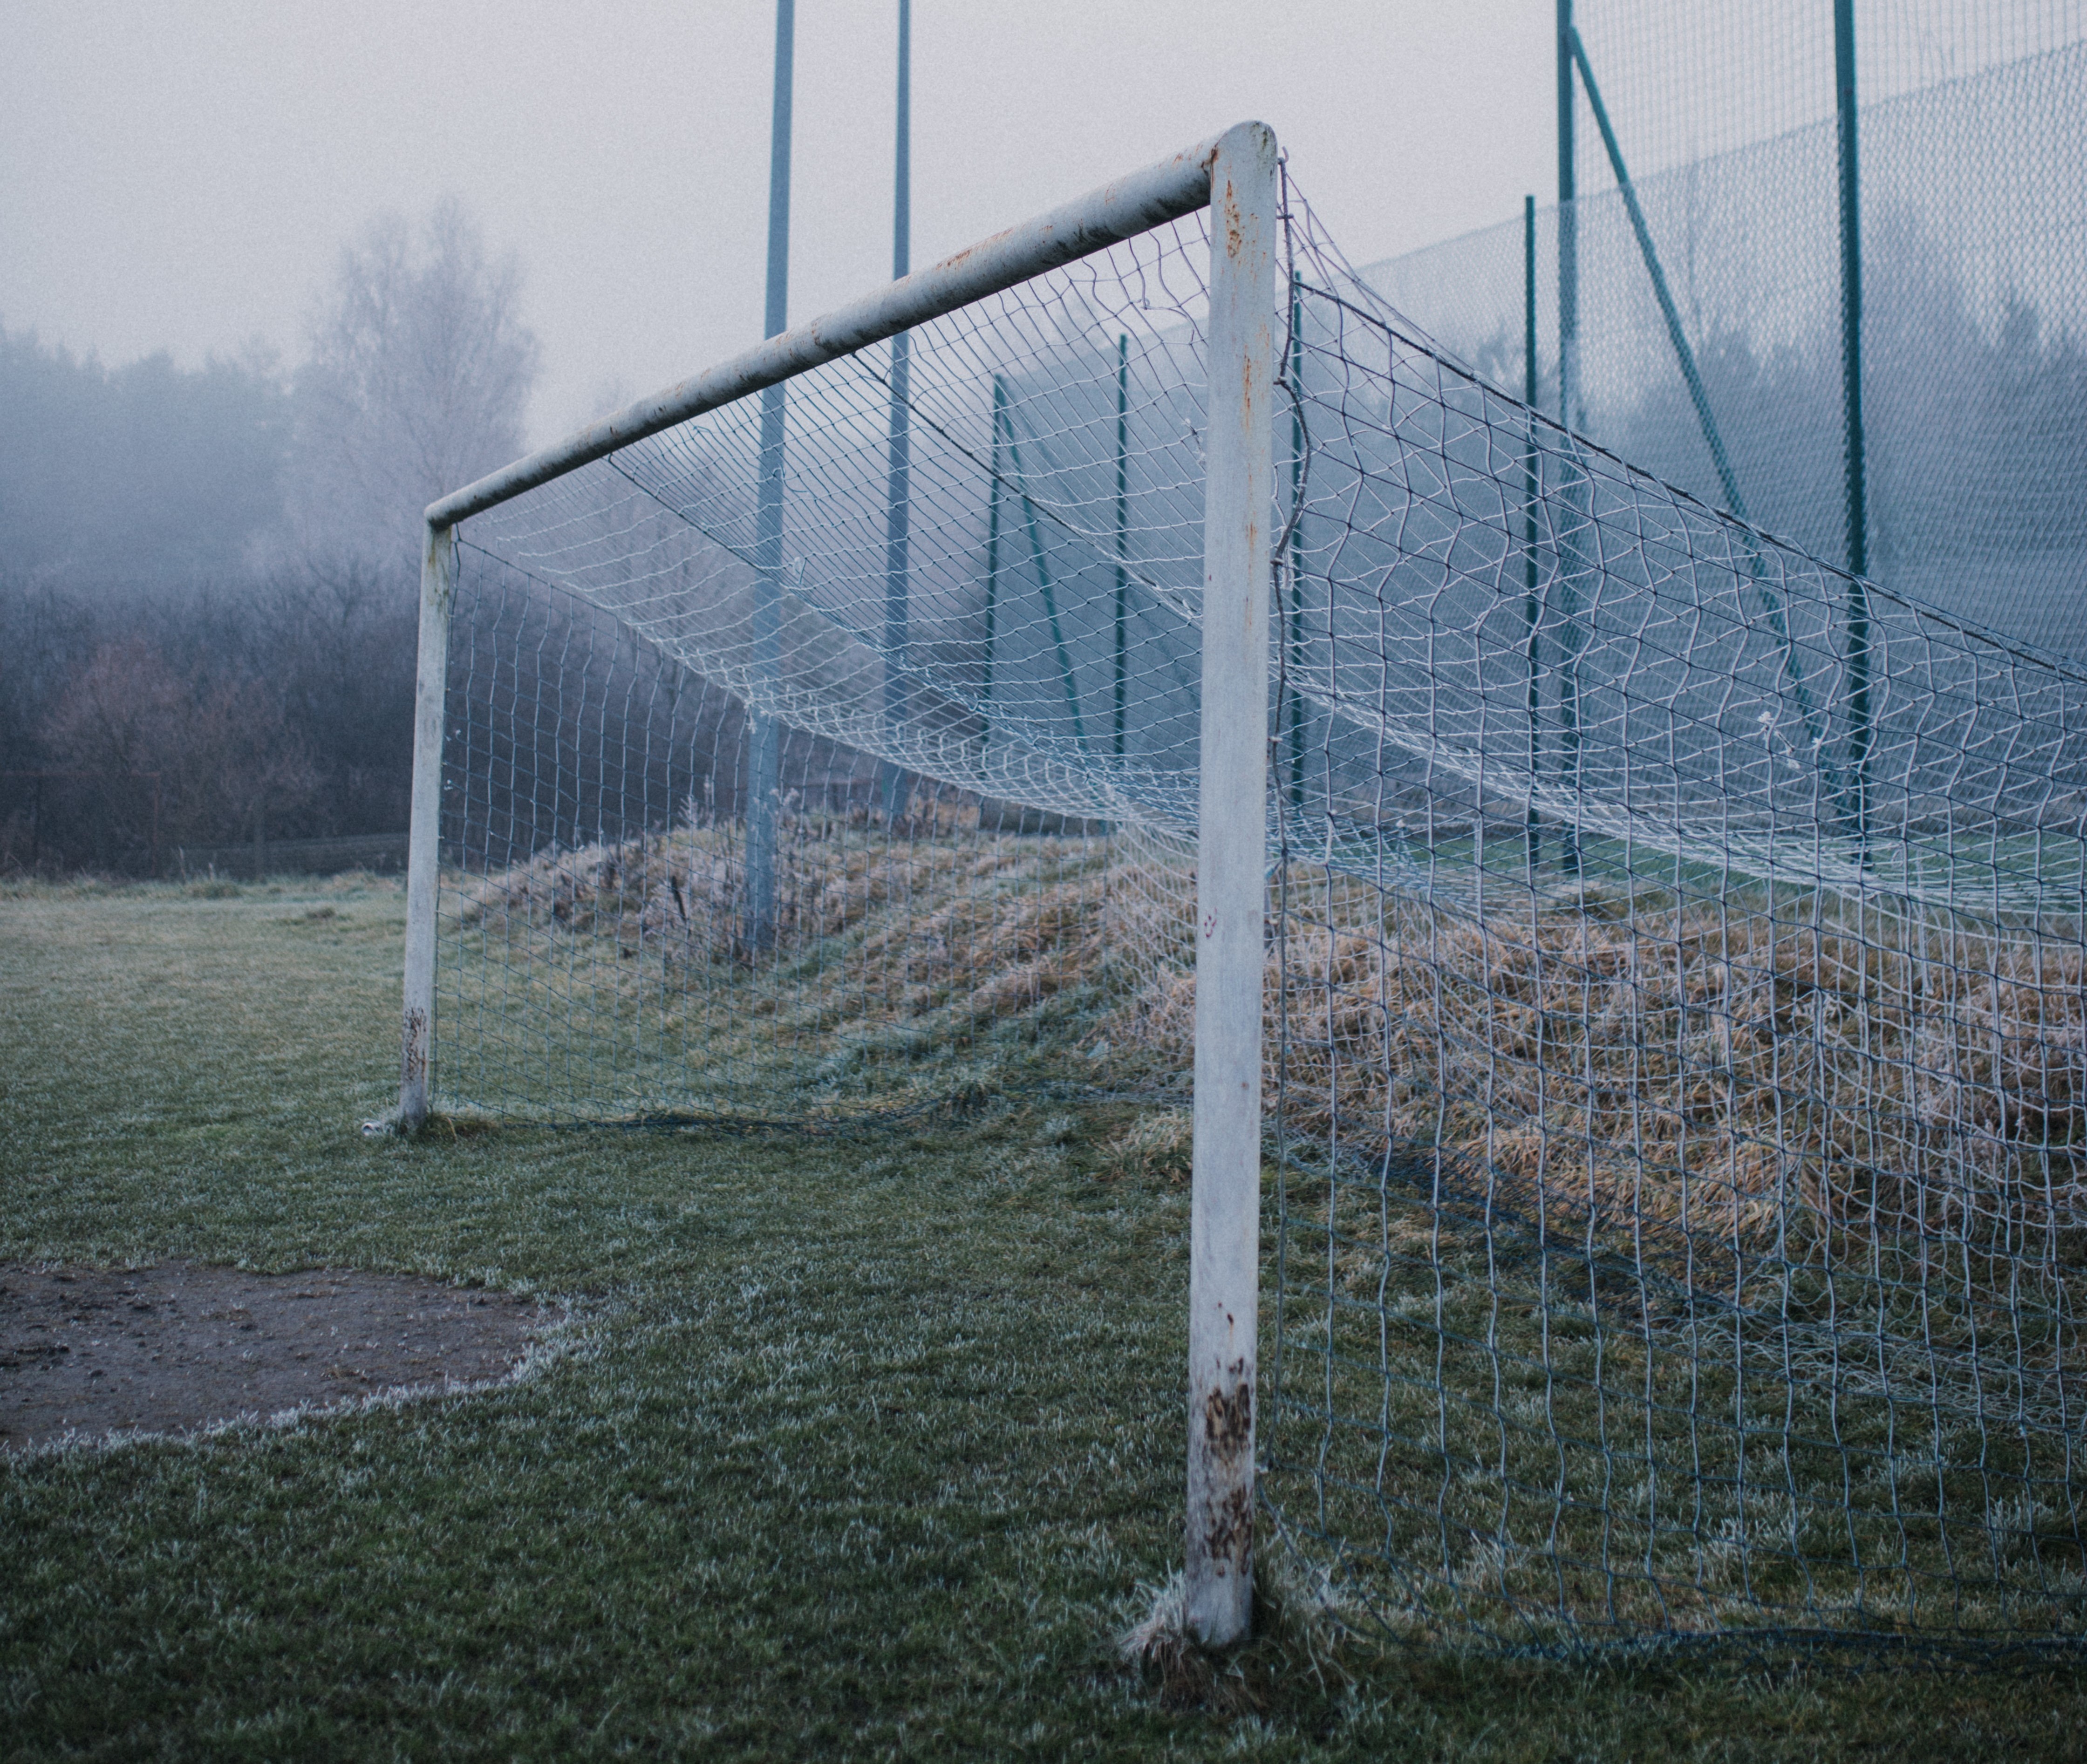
x: 857, y: 1446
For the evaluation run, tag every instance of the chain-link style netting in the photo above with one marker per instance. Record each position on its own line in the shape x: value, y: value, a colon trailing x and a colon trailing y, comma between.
x: 1677, y: 1070
x: 1685, y: 80
x: 1972, y: 196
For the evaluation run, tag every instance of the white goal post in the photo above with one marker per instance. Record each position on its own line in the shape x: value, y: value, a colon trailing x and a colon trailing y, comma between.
x: 1234, y: 176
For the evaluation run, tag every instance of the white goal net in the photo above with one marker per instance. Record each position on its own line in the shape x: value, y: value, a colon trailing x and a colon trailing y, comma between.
x: 1674, y: 991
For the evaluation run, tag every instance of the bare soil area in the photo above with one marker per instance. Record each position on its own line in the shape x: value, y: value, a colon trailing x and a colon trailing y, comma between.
x: 87, y: 1352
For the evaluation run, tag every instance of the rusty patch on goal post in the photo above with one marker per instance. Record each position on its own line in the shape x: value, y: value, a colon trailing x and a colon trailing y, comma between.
x: 1228, y: 1438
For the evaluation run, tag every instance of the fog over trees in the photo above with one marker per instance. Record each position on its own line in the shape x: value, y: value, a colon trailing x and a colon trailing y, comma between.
x: 419, y: 369
x: 210, y: 575
x: 147, y: 472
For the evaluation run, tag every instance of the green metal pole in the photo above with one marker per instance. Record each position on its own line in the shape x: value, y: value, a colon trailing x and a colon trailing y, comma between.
x: 898, y: 587
x: 1296, y: 370
x: 991, y: 553
x: 1575, y: 488
x: 1531, y: 610
x: 1698, y: 394
x: 1675, y: 335
x: 1851, y: 392
x: 764, y: 746
x: 1568, y: 226
x: 1044, y: 580
x: 1122, y: 538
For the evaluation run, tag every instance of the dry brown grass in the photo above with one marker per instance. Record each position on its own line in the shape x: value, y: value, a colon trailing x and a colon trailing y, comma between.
x: 872, y: 930
x: 681, y: 893
x: 1743, y: 1074
x: 1740, y: 1071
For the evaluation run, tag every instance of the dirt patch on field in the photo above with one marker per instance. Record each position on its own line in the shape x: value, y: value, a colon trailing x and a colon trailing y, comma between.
x: 87, y: 1352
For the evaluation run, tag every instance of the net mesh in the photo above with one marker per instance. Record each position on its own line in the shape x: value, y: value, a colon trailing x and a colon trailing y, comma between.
x: 1677, y: 1044
x: 807, y: 801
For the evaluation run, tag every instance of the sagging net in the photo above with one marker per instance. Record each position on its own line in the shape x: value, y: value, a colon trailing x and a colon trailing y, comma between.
x: 808, y: 766
x: 1676, y: 1000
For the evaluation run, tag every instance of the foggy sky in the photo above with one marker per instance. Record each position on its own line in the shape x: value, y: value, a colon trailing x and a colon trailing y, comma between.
x: 181, y: 175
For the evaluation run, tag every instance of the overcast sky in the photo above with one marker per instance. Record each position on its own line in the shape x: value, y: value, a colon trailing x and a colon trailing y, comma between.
x: 182, y: 173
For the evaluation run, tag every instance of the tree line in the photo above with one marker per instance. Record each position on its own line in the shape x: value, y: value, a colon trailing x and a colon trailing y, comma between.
x: 208, y: 587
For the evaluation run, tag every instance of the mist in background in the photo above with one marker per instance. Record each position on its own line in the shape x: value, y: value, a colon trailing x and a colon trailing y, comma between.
x: 182, y: 176
x: 277, y: 276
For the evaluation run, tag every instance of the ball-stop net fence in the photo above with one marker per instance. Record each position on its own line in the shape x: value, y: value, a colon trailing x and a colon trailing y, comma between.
x: 1971, y: 189
x: 1675, y: 998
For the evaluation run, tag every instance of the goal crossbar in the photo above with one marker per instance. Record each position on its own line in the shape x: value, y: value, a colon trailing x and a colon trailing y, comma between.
x: 1119, y: 210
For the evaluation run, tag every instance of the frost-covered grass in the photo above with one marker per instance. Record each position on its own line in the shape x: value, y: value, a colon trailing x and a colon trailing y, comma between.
x: 868, y: 1446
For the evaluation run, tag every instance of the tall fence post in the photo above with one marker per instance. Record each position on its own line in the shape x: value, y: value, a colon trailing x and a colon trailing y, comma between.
x: 1531, y: 608
x: 1122, y: 631
x: 1230, y: 890
x: 764, y: 737
x: 897, y: 555
x: 992, y: 560
x: 1851, y: 386
x: 1292, y: 711
x: 424, y: 843
x: 1568, y: 226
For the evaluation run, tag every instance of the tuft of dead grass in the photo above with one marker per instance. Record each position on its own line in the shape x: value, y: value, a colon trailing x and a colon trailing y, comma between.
x: 1157, y: 1145
x: 679, y: 898
x: 1304, y: 1636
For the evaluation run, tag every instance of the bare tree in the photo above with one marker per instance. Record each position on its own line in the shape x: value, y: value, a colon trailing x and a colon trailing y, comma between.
x: 226, y: 757
x: 420, y: 366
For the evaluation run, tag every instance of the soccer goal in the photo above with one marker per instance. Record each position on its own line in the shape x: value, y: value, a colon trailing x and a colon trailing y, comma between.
x: 1626, y: 980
